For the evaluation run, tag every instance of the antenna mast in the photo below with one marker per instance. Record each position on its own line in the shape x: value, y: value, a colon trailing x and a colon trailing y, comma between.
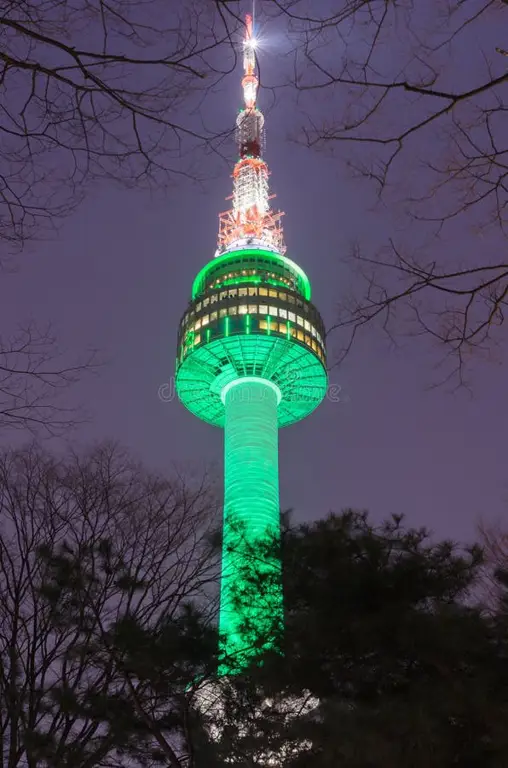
x: 250, y: 219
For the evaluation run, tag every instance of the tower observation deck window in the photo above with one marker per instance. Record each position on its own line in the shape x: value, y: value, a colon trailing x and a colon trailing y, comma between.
x: 270, y: 313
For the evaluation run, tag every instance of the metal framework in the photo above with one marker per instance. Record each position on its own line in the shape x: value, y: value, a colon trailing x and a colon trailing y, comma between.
x: 250, y: 215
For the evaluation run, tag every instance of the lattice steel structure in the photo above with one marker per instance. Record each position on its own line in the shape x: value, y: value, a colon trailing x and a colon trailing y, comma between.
x: 251, y: 358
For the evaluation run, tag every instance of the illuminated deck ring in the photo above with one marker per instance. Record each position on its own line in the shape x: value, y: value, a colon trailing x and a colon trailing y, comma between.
x: 250, y: 379
x: 237, y: 256
x: 295, y: 369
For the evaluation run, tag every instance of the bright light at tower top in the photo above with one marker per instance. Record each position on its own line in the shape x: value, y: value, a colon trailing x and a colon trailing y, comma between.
x: 250, y: 81
x: 250, y: 218
x: 249, y: 32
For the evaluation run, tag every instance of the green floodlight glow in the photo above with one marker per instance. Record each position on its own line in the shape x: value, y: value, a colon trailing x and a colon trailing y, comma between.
x: 237, y: 255
x: 294, y: 368
x: 239, y: 279
x: 251, y: 520
x: 250, y: 383
x: 251, y: 359
x: 251, y: 370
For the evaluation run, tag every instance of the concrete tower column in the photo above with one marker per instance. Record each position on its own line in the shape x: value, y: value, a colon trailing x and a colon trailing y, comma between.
x: 251, y: 514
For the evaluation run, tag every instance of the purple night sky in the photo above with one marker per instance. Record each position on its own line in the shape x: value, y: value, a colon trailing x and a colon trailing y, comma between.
x: 118, y: 277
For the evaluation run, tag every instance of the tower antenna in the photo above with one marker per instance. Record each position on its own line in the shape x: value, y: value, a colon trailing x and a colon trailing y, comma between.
x: 250, y: 217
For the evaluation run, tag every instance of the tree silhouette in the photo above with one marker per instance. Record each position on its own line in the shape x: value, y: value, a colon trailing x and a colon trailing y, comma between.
x: 101, y: 563
x: 413, y: 97
x: 103, y: 89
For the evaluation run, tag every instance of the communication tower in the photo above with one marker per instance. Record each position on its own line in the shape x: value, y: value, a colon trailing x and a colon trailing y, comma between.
x: 251, y: 358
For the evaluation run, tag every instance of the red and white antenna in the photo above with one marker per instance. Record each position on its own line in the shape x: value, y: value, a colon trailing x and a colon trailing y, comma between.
x: 250, y: 220
x: 250, y: 81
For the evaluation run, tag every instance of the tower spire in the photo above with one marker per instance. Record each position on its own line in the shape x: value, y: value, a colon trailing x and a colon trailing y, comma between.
x: 250, y: 221
x: 250, y: 81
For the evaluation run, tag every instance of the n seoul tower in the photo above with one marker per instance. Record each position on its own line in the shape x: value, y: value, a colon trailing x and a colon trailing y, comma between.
x: 251, y: 358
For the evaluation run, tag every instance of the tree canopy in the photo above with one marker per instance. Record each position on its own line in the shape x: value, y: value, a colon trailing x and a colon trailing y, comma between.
x: 387, y: 659
x: 100, y: 562
x: 109, y: 648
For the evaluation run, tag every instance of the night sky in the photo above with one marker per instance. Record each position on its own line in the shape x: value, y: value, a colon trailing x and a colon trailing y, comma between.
x: 118, y: 277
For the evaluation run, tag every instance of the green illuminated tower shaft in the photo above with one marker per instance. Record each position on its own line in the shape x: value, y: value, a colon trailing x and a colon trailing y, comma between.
x: 251, y: 513
x: 251, y: 358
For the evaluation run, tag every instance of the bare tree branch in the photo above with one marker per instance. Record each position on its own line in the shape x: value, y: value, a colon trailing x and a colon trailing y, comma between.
x: 95, y: 89
x: 33, y: 378
x: 86, y: 544
x: 413, y: 97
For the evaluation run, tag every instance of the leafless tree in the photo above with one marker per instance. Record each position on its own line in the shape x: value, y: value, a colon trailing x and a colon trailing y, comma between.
x: 132, y: 546
x: 33, y: 378
x: 89, y: 90
x: 413, y: 96
x: 494, y: 540
x: 111, y: 89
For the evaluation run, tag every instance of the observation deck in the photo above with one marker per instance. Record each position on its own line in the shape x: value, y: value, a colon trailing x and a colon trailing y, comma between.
x: 251, y: 316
